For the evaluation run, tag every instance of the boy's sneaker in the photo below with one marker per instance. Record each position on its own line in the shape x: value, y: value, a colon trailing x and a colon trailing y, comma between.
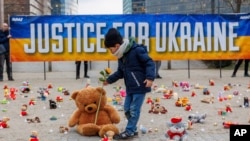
x: 124, y: 135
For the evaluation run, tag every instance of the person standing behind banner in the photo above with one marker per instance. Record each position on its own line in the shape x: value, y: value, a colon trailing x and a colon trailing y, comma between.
x: 138, y: 71
x: 4, y: 40
x: 237, y: 65
x: 157, y: 68
x: 78, y: 66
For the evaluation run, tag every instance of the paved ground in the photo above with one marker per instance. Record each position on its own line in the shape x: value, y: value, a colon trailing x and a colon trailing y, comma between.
x: 200, y: 132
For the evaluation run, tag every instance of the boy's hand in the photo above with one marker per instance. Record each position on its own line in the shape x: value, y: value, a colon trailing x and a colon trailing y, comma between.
x: 148, y: 82
x: 105, y: 83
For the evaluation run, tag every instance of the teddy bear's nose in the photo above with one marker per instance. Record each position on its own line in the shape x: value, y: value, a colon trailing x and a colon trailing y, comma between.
x: 90, y: 108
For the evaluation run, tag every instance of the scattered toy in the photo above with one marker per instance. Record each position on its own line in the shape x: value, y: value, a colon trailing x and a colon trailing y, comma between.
x: 197, y: 118
x: 34, y: 136
x: 4, y: 122
x: 52, y: 104
x: 156, y: 108
x: 177, y: 129
x: 33, y: 120
x: 63, y: 129
x: 24, y: 110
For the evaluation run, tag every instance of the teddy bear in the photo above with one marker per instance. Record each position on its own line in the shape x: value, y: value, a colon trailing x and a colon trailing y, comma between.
x: 197, y: 118
x: 4, y: 122
x: 93, y: 116
x: 177, y: 129
x: 156, y: 108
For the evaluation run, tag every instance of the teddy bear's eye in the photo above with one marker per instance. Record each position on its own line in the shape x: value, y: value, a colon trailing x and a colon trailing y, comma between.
x: 85, y: 105
x: 94, y: 102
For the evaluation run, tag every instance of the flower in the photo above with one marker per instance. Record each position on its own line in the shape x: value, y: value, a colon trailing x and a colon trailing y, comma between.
x: 105, y: 74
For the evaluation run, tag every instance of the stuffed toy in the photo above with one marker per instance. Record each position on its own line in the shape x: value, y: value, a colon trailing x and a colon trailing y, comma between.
x: 175, y: 83
x: 33, y: 120
x: 149, y: 100
x: 13, y: 93
x: 227, y: 124
x: 108, y: 136
x: 182, y: 102
x: 25, y: 88
x: 197, y: 118
x: 208, y: 100
x: 156, y: 108
x: 59, y: 99
x: 211, y: 82
x: 228, y: 108
x: 188, y: 107
x: 63, y: 129
x: 206, y: 91
x: 185, y: 86
x: 24, y: 110
x: 93, y: 115
x: 44, y: 93
x: 34, y: 136
x: 32, y: 101
x: 52, y: 104
x: 168, y: 94
x: 177, y: 129
x: 4, y: 122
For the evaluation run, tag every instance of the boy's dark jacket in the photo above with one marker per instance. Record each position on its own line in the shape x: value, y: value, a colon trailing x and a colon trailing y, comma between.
x: 135, y: 67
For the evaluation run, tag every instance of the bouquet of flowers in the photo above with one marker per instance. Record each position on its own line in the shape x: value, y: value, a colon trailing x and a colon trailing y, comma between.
x: 104, y: 74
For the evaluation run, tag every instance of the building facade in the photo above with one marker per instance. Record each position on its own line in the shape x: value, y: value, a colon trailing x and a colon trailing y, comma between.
x: 26, y: 7
x: 193, y: 6
x: 133, y: 6
x: 64, y: 7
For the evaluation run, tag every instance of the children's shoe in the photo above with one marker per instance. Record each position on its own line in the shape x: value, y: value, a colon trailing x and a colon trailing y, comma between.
x: 124, y: 135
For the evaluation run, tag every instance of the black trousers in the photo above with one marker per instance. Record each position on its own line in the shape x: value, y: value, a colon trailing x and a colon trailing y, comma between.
x: 237, y: 65
x: 78, y: 66
x: 5, y: 58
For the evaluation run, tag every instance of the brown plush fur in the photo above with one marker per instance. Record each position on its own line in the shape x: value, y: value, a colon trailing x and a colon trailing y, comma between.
x: 87, y: 101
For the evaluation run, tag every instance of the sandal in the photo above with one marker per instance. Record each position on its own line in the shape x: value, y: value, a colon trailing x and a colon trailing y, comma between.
x: 124, y: 135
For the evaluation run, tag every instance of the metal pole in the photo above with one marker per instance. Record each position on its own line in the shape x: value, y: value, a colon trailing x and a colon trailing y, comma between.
x: 220, y: 69
x: 1, y: 11
x: 44, y: 70
x: 188, y: 68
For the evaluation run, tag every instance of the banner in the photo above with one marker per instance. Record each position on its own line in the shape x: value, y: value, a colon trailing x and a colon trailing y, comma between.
x: 167, y: 36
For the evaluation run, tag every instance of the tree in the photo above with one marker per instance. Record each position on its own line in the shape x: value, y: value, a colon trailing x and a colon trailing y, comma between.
x: 236, y: 5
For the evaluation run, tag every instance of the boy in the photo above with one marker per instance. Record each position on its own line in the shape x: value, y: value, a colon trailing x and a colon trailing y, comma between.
x: 138, y: 71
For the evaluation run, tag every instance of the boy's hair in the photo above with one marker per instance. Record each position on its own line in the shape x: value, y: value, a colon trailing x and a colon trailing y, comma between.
x: 112, y: 37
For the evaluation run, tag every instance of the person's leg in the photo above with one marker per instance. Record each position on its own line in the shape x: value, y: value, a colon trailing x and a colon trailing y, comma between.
x: 86, y: 69
x: 78, y: 66
x: 246, y: 68
x: 9, y: 67
x: 236, y: 67
x: 157, y: 68
x: 132, y: 109
x: 1, y: 66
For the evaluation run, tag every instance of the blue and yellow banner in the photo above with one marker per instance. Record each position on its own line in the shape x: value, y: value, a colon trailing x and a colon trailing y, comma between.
x: 167, y: 36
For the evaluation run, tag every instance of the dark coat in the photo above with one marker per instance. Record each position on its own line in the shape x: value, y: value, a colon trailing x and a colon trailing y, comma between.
x: 135, y: 67
x: 4, y: 39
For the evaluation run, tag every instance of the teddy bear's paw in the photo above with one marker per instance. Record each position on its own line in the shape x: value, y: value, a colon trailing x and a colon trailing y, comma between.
x: 89, y: 129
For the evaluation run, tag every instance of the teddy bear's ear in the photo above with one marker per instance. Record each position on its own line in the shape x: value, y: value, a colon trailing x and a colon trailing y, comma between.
x: 74, y: 94
x: 101, y: 90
